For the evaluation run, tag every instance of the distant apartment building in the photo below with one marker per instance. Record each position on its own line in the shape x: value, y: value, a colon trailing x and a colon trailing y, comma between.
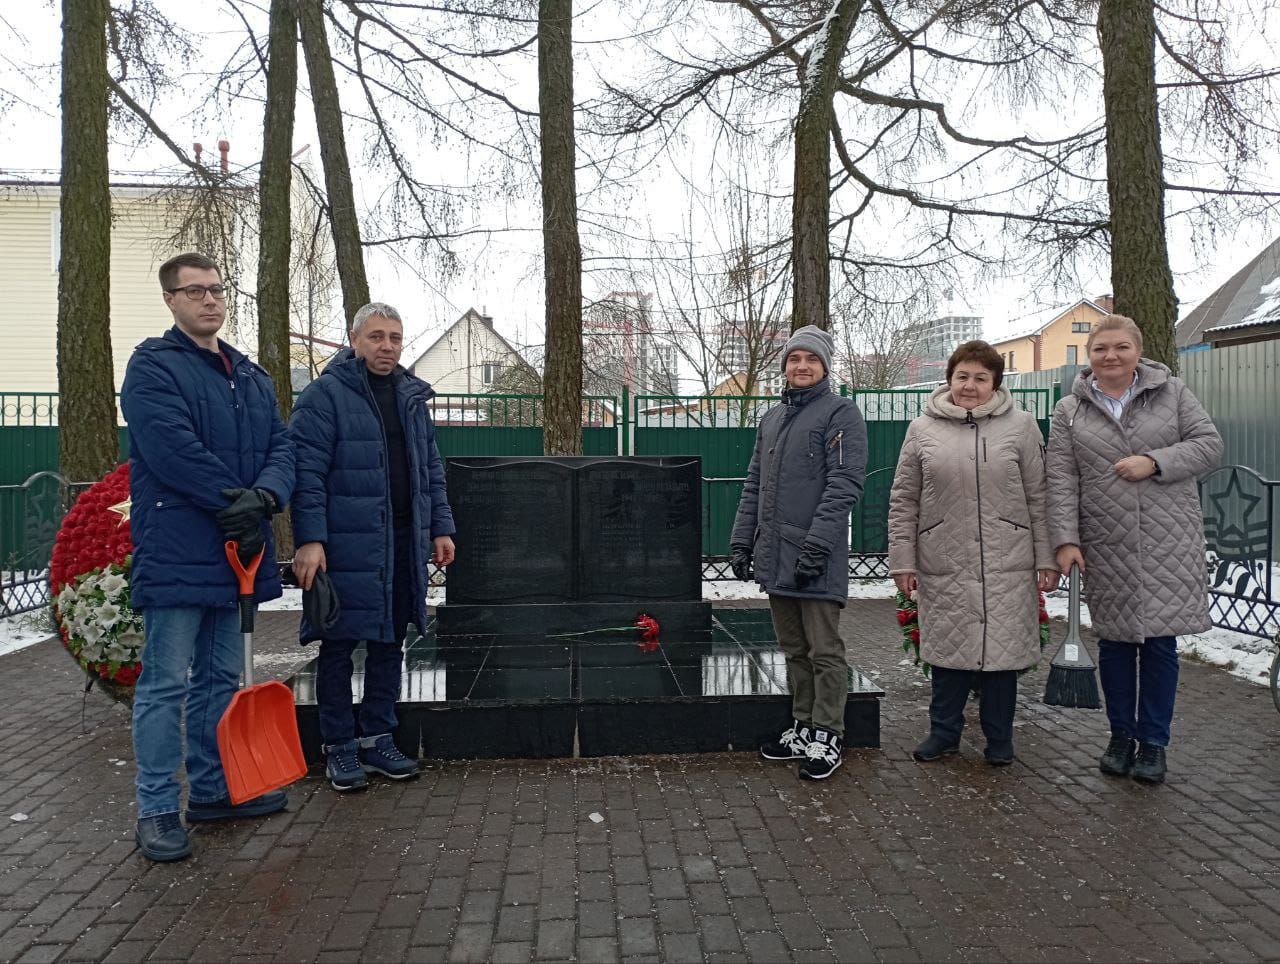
x: 936, y: 339
x: 620, y: 348
x: 745, y: 349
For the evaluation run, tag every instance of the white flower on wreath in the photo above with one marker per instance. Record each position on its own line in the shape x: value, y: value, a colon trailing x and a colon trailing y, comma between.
x: 112, y: 583
x: 108, y: 615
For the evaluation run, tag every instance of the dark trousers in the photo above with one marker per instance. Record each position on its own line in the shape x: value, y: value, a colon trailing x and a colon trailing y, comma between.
x: 998, y: 696
x: 1140, y: 683
x: 808, y: 633
x: 382, y: 665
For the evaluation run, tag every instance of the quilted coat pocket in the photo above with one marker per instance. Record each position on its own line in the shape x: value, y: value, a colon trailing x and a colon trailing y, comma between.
x: 1014, y: 547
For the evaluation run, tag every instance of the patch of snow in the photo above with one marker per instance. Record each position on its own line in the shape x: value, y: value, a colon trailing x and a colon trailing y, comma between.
x: 1242, y: 655
x: 736, y: 589
x: 292, y: 599
x: 26, y: 629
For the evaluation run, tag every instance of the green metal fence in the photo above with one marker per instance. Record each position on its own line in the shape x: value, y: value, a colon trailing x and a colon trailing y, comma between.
x: 720, y: 430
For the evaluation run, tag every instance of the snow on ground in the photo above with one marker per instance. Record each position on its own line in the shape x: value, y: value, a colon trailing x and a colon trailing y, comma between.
x: 1248, y: 657
x: 21, y: 631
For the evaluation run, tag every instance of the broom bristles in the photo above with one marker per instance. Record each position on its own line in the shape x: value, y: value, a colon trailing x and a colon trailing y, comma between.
x: 1072, y: 686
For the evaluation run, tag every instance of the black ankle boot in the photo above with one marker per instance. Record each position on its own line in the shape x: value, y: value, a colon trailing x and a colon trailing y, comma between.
x: 1118, y: 760
x: 1149, y: 767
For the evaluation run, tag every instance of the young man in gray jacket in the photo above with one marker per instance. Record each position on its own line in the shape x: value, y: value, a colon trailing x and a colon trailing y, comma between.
x: 806, y: 476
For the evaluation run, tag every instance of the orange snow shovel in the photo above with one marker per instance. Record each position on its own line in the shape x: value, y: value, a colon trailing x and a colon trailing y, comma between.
x: 258, y: 734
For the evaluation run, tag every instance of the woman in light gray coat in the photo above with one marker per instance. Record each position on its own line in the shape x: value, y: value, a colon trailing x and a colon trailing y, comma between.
x: 1124, y: 452
x: 967, y: 530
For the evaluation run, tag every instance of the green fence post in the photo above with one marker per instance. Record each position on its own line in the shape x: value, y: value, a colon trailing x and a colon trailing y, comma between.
x: 625, y: 442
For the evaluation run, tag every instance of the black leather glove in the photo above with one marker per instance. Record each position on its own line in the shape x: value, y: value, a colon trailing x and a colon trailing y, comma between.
x: 740, y: 562
x: 811, y: 565
x: 249, y: 543
x: 242, y: 519
x: 248, y: 508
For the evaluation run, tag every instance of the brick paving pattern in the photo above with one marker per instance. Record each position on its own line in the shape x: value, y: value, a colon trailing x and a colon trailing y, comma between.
x: 715, y: 857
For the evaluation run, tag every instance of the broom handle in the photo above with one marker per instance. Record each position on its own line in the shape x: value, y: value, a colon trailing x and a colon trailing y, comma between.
x: 1073, y: 609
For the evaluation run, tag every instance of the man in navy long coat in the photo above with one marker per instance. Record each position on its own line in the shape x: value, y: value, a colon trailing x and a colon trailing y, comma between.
x: 370, y: 510
x: 210, y: 459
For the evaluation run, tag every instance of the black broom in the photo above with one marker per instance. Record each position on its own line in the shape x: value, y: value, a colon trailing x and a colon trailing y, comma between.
x: 1072, y: 681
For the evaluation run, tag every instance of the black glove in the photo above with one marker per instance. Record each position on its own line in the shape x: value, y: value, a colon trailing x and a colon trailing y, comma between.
x: 740, y: 562
x: 250, y: 543
x: 242, y: 519
x: 811, y: 564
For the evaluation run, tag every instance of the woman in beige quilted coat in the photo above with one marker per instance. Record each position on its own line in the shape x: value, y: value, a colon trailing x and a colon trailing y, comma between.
x: 967, y: 532
x: 1124, y: 452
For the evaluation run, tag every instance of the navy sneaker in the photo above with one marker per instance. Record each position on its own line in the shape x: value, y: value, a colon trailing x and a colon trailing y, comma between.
x: 342, y: 766
x: 379, y: 754
x: 163, y: 838
x: 823, y: 755
x: 790, y: 745
x: 224, y: 809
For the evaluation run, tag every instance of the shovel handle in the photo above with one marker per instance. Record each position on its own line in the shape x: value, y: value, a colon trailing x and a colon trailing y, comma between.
x: 244, y: 576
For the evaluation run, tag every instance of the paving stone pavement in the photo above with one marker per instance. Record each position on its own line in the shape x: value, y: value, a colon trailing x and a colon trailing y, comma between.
x: 717, y: 857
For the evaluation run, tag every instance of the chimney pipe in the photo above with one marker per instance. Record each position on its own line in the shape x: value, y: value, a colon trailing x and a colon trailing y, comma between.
x: 199, y: 150
x: 223, y: 148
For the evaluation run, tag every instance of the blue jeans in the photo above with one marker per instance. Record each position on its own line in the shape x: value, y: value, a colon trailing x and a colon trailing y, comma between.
x: 180, y: 640
x: 382, y: 664
x: 1140, y: 682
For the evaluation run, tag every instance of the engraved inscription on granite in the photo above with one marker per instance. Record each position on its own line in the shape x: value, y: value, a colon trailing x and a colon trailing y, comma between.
x: 584, y: 529
x: 516, y: 522
x: 639, y: 531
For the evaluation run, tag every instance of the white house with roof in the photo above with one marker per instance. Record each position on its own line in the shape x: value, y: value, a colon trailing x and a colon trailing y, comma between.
x: 468, y: 358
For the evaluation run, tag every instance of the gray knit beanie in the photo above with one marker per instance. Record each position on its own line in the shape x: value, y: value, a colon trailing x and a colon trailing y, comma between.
x: 814, y: 339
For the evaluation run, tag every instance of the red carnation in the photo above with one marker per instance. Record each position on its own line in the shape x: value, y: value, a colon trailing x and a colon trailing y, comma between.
x: 648, y: 626
x: 904, y: 616
x: 915, y: 636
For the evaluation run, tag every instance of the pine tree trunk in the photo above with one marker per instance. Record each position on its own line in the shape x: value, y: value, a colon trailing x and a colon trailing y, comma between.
x: 275, y: 235
x: 333, y: 154
x: 1141, y: 280
x: 88, y: 446
x: 811, y: 198
x: 562, y: 252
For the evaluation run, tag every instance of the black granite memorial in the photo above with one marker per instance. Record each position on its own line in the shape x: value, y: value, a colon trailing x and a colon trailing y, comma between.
x: 531, y: 654
x: 558, y: 545
x: 520, y: 696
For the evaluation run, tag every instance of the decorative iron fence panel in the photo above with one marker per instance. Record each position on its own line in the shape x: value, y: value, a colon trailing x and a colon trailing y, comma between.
x: 1240, y: 534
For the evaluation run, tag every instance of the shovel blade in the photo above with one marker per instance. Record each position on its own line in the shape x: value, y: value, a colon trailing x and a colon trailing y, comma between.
x: 258, y: 741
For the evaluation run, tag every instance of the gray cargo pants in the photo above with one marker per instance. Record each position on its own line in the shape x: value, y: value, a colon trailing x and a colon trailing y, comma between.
x: 817, y: 665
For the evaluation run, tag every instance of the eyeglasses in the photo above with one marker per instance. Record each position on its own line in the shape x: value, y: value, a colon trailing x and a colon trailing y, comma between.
x: 197, y: 292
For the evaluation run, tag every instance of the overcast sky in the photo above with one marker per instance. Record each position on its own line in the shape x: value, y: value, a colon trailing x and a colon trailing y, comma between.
x: 500, y: 275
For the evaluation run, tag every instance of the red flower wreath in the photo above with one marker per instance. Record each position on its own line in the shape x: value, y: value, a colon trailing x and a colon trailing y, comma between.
x: 89, y: 579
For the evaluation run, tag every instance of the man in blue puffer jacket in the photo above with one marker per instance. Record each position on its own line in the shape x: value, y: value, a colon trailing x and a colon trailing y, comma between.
x: 370, y: 510
x: 210, y: 459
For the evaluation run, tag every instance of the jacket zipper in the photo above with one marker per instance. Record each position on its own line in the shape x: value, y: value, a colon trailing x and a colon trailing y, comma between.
x: 838, y: 444
x: 389, y: 578
x: 982, y: 557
